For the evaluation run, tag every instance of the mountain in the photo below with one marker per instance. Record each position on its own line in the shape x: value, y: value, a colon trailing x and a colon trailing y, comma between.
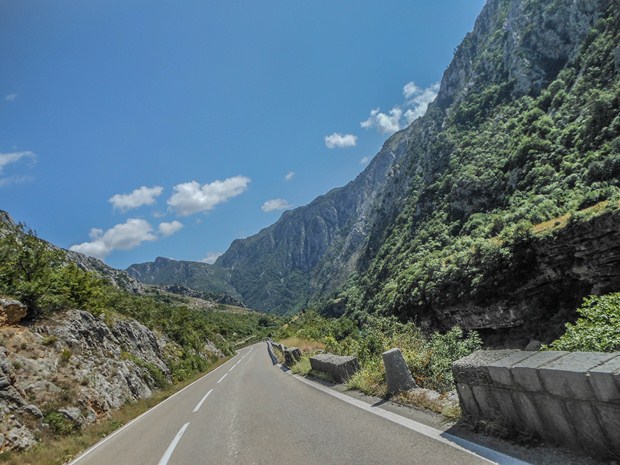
x: 449, y: 219
x: 194, y: 275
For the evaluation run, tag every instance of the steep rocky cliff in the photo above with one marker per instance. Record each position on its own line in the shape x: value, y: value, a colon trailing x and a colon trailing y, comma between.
x: 194, y: 275
x: 74, y: 368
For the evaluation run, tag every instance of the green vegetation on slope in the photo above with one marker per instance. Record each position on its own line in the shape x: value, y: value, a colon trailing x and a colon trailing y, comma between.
x: 509, y: 164
x: 429, y: 358
x: 597, y: 329
x: 41, y: 277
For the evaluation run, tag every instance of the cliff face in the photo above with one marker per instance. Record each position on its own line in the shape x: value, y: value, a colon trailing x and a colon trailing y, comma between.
x: 555, y: 273
x: 195, y: 275
x: 73, y: 369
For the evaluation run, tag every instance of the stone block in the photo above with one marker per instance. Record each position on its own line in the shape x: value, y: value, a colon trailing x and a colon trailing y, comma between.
x: 525, y: 373
x: 499, y: 371
x: 583, y: 417
x: 340, y: 368
x: 486, y: 401
x: 557, y: 424
x: 292, y: 355
x: 469, y: 406
x: 609, y: 417
x: 527, y: 413
x: 509, y: 413
x: 473, y: 369
x: 605, y: 380
x: 568, y: 376
x: 397, y: 372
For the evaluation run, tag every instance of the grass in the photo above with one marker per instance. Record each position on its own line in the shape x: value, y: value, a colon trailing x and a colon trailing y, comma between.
x: 561, y: 222
x: 305, y: 345
x: 55, y: 450
x: 302, y: 367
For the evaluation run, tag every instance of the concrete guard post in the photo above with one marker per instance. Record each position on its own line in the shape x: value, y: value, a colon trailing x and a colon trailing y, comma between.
x: 397, y: 372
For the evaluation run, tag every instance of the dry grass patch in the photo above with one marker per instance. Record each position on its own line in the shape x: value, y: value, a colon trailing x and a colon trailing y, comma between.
x: 305, y: 345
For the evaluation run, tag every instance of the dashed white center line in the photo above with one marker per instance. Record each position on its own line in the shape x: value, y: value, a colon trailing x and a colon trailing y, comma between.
x: 173, y: 444
x: 222, y: 378
x: 202, y: 401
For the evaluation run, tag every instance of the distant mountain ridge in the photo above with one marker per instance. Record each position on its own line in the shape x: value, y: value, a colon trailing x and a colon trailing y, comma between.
x: 194, y: 275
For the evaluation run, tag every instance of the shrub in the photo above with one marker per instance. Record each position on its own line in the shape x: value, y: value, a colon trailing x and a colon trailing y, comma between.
x: 60, y: 424
x: 598, y: 329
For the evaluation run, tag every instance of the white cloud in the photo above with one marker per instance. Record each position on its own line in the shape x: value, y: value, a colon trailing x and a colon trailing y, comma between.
x: 275, y: 204
x: 340, y: 141
x: 14, y: 157
x: 419, y: 100
x: 10, y: 97
x: 17, y: 179
x: 168, y: 229
x: 211, y: 257
x: 410, y: 89
x: 365, y: 160
x: 125, y: 236
x: 416, y: 103
x: 191, y: 197
x: 138, y: 197
x: 384, y: 123
x: 290, y: 175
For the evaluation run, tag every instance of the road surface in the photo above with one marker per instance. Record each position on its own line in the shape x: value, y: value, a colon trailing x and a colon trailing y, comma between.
x: 249, y: 411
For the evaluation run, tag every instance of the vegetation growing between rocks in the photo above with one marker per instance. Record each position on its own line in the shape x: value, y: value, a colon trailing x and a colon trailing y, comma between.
x: 429, y: 358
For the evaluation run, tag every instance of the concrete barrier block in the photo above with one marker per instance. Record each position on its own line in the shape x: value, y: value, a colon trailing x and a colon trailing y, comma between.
x: 568, y: 376
x: 499, y: 371
x: 509, y: 413
x: 339, y: 367
x: 292, y: 355
x: 486, y: 401
x: 558, y: 425
x: 397, y: 372
x: 605, y: 380
x: 469, y: 406
x: 609, y: 417
x: 583, y: 416
x: 525, y: 373
x: 527, y: 413
x: 473, y: 369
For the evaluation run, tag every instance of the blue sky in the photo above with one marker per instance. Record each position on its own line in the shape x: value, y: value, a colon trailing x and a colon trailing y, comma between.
x: 131, y: 129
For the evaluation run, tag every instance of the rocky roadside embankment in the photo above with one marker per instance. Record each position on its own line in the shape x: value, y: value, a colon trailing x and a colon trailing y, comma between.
x: 74, y: 368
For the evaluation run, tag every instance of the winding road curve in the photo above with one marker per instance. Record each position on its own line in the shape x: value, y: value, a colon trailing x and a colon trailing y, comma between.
x: 249, y: 411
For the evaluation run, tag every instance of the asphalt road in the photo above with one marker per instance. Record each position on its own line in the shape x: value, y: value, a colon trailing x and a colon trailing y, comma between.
x: 249, y: 411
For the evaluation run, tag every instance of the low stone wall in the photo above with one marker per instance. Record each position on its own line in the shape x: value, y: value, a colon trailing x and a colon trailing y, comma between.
x: 572, y: 399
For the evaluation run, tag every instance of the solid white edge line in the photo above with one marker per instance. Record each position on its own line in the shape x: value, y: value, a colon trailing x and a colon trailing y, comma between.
x: 110, y: 436
x: 222, y: 378
x: 173, y: 444
x: 483, y: 452
x: 202, y: 401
